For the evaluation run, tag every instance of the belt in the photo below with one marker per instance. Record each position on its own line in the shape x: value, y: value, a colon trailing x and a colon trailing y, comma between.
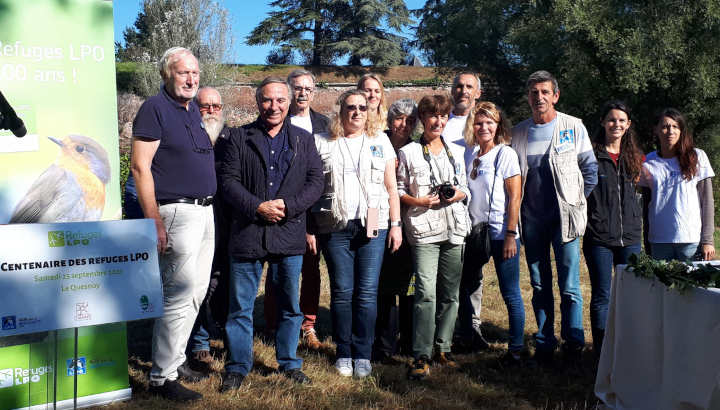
x: 201, y: 201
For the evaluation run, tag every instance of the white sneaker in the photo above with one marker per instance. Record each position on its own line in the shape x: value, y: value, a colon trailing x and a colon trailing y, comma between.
x: 344, y: 366
x: 363, y: 368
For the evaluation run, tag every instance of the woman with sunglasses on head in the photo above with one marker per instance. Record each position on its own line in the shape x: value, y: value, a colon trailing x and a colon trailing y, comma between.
x: 432, y: 185
x: 494, y: 181
x: 397, y: 278
x: 614, y: 215
x: 357, y: 214
x: 677, y: 194
x: 371, y: 85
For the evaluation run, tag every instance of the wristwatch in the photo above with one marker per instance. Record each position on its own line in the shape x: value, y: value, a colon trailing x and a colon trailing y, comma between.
x: 396, y: 223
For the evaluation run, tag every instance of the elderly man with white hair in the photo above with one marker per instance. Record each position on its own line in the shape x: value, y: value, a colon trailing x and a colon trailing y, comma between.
x: 174, y: 171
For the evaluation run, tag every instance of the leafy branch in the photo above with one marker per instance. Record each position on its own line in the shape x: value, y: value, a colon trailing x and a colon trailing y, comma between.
x: 675, y: 274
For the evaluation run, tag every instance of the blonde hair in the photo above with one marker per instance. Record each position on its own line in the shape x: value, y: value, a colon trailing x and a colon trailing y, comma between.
x: 489, y: 110
x: 335, y: 128
x: 377, y: 119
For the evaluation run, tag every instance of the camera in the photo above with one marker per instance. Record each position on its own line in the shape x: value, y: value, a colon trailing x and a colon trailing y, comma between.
x: 446, y: 190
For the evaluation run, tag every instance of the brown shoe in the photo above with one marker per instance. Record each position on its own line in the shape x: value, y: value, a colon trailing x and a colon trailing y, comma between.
x: 446, y: 360
x: 310, y: 339
x: 201, y: 361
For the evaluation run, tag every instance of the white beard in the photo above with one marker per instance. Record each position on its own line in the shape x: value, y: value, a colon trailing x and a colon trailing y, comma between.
x: 214, y: 124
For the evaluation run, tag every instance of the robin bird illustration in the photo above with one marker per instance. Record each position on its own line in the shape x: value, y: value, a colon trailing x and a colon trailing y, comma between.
x: 70, y: 190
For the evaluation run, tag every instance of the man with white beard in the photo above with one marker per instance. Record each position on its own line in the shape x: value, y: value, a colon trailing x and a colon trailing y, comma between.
x: 215, y: 305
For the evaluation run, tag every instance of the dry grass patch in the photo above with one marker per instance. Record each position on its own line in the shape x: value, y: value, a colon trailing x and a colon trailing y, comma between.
x: 474, y: 387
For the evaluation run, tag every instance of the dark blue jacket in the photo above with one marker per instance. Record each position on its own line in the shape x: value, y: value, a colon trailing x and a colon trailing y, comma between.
x: 614, y: 214
x: 244, y: 183
x: 319, y: 122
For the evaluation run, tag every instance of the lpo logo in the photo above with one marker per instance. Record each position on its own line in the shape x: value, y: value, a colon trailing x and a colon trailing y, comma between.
x: 6, y: 378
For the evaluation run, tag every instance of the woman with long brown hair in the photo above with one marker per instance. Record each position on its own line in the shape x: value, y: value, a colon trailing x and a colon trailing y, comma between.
x: 677, y: 194
x: 614, y: 214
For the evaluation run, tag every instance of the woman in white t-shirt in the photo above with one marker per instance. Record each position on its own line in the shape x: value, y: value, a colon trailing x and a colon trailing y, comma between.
x: 358, y: 211
x: 493, y: 171
x: 677, y: 194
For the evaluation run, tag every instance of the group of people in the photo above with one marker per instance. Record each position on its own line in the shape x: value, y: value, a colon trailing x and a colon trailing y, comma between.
x: 391, y: 197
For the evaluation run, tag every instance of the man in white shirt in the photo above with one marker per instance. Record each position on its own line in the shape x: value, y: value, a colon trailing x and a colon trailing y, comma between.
x: 465, y: 91
x: 302, y: 83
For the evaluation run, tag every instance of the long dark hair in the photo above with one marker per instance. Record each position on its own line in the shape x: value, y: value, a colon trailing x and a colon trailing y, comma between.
x: 687, y: 157
x: 629, y: 150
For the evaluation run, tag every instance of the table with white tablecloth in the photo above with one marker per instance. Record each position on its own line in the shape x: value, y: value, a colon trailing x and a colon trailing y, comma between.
x: 661, y: 348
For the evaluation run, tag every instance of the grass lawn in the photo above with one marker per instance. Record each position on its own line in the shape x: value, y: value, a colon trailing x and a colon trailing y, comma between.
x: 475, y: 386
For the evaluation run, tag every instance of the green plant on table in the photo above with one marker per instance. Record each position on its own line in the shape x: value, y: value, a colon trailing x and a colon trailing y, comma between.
x: 675, y: 274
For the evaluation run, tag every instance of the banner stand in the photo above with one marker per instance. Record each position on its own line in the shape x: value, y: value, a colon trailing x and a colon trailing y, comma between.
x: 65, y: 369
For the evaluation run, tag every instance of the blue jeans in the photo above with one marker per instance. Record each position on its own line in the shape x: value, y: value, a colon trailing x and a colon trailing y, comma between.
x: 538, y: 237
x: 200, y: 337
x: 677, y: 251
x: 284, y: 272
x: 353, y: 262
x: 601, y: 260
x: 508, y: 274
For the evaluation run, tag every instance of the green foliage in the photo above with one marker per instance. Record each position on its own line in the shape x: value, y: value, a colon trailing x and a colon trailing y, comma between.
x: 434, y: 82
x: 323, y: 30
x: 124, y: 173
x: 322, y: 84
x: 652, y: 55
x: 203, y: 26
x: 452, y: 33
x: 125, y: 75
x: 675, y: 274
x: 290, y: 28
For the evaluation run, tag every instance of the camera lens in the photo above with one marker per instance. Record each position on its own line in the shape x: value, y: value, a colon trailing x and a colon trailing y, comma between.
x: 447, y: 191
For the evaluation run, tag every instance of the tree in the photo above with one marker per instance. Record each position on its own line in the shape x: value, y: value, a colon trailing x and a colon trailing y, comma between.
x: 361, y: 35
x: 303, y: 26
x: 330, y: 29
x: 650, y: 54
x: 459, y: 35
x: 203, y: 26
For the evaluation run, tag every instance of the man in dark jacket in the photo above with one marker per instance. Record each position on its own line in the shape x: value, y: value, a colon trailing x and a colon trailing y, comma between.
x: 302, y: 83
x: 271, y: 174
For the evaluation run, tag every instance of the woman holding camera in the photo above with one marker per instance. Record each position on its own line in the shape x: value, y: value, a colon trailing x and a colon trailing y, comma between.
x: 358, y: 211
x: 433, y: 186
x: 494, y: 183
x: 677, y: 194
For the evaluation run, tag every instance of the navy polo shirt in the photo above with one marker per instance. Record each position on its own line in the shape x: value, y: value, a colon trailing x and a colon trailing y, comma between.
x: 184, y: 165
x: 279, y: 154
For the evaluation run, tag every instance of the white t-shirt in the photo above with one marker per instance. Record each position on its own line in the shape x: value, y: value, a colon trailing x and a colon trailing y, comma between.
x: 507, y: 166
x: 454, y: 129
x: 302, y: 122
x: 674, y: 210
x: 353, y: 151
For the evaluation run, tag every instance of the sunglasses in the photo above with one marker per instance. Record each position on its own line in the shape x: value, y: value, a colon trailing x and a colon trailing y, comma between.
x: 362, y: 108
x: 476, y: 165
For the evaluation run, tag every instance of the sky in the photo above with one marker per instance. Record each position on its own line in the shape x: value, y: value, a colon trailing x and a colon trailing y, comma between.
x: 247, y: 14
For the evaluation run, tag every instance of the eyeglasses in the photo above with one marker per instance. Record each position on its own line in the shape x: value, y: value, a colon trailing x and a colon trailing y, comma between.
x: 197, y: 149
x: 362, y: 108
x: 476, y: 165
x: 308, y: 90
x: 207, y: 107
